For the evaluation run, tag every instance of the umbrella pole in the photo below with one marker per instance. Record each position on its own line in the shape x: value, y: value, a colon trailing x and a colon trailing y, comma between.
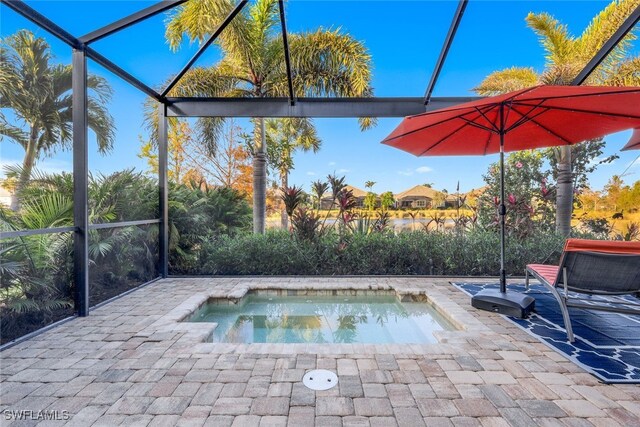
x: 513, y: 303
x: 503, y: 213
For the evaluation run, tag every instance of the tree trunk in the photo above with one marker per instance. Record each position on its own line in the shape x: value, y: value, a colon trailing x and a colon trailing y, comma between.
x: 564, y: 194
x: 284, y: 218
x: 27, y: 166
x: 259, y: 179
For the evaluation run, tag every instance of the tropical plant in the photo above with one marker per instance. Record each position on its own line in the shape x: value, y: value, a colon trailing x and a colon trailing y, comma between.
x: 34, y: 285
x: 600, y: 228
x: 306, y: 224
x: 630, y: 232
x: 528, y: 195
x: 337, y: 185
x: 120, y: 257
x: 566, y: 56
x: 439, y: 218
x: 367, y: 225
x: 346, y: 203
x: 413, y: 215
x: 386, y: 200
x: 319, y: 188
x: 323, y: 63
x: 370, y: 200
x: 39, y: 94
x: 199, y: 213
x: 284, y: 137
x: 292, y: 198
x: 472, y: 253
x: 35, y: 271
x: 460, y: 222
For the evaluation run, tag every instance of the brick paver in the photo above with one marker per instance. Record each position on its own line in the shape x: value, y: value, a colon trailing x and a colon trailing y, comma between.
x: 133, y: 363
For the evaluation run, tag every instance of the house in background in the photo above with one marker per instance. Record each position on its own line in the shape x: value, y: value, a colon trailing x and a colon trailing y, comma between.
x: 452, y: 200
x: 460, y: 200
x: 5, y: 197
x: 358, y: 195
x: 420, y: 197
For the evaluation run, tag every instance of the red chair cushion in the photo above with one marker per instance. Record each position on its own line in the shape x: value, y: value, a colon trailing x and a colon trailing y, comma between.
x: 607, y: 246
x: 547, y: 272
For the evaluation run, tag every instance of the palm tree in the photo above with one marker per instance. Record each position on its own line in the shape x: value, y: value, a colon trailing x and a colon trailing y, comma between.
x: 323, y: 62
x: 566, y: 56
x: 39, y: 94
x: 319, y: 188
x: 284, y: 137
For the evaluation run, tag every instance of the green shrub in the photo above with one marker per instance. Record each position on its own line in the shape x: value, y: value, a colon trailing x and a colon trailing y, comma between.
x: 408, y: 253
x: 201, y: 215
x: 36, y: 272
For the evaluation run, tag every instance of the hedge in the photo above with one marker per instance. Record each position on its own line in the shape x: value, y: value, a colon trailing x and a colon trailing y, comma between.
x: 474, y: 253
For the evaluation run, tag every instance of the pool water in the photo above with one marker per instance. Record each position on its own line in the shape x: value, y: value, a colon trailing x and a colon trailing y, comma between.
x: 322, y: 319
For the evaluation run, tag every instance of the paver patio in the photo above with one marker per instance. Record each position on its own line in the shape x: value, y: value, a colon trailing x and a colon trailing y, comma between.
x: 130, y: 363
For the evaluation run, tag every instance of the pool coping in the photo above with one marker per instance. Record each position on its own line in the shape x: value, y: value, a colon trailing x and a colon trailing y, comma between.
x: 194, y: 334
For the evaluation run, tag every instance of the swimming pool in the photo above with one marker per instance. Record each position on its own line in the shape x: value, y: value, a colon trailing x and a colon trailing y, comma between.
x: 322, y: 319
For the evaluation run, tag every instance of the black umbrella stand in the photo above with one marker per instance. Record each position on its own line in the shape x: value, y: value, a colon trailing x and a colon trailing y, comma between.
x: 500, y: 301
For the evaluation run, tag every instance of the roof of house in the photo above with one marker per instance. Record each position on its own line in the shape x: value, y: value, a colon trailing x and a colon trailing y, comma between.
x: 418, y: 191
x: 357, y: 192
x: 477, y: 191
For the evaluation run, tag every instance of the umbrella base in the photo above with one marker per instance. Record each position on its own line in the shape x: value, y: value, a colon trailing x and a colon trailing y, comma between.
x: 508, y: 303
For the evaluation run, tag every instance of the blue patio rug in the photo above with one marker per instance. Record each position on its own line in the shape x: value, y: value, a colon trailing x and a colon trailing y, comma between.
x: 606, y: 344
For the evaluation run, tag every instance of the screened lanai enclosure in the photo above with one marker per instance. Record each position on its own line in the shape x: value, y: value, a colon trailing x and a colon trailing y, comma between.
x: 431, y: 34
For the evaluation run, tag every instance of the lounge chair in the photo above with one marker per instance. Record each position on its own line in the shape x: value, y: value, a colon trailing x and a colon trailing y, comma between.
x: 593, y: 267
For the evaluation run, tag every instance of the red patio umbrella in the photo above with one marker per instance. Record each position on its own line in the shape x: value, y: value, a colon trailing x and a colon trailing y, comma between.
x: 541, y: 116
x: 634, y: 141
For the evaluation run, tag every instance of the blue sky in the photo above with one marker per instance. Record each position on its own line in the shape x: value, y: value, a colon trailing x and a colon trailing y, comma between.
x: 404, y: 39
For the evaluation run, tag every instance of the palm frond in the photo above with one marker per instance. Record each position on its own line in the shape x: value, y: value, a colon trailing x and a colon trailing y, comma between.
x: 50, y: 210
x: 39, y: 93
x: 12, y: 132
x: 195, y: 20
x: 627, y: 73
x: 100, y: 121
x: 554, y: 37
x: 197, y: 82
x: 261, y: 31
x: 327, y: 63
x: 602, y: 27
x: 507, y: 80
x: 209, y: 130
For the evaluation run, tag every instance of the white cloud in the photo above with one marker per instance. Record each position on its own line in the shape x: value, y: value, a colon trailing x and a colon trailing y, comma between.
x: 406, y: 172
x: 332, y: 163
x: 635, y: 163
x: 311, y: 173
x: 424, y: 169
x: 343, y: 170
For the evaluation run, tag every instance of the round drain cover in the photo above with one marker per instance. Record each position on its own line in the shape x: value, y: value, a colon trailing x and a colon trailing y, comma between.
x: 320, y: 379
